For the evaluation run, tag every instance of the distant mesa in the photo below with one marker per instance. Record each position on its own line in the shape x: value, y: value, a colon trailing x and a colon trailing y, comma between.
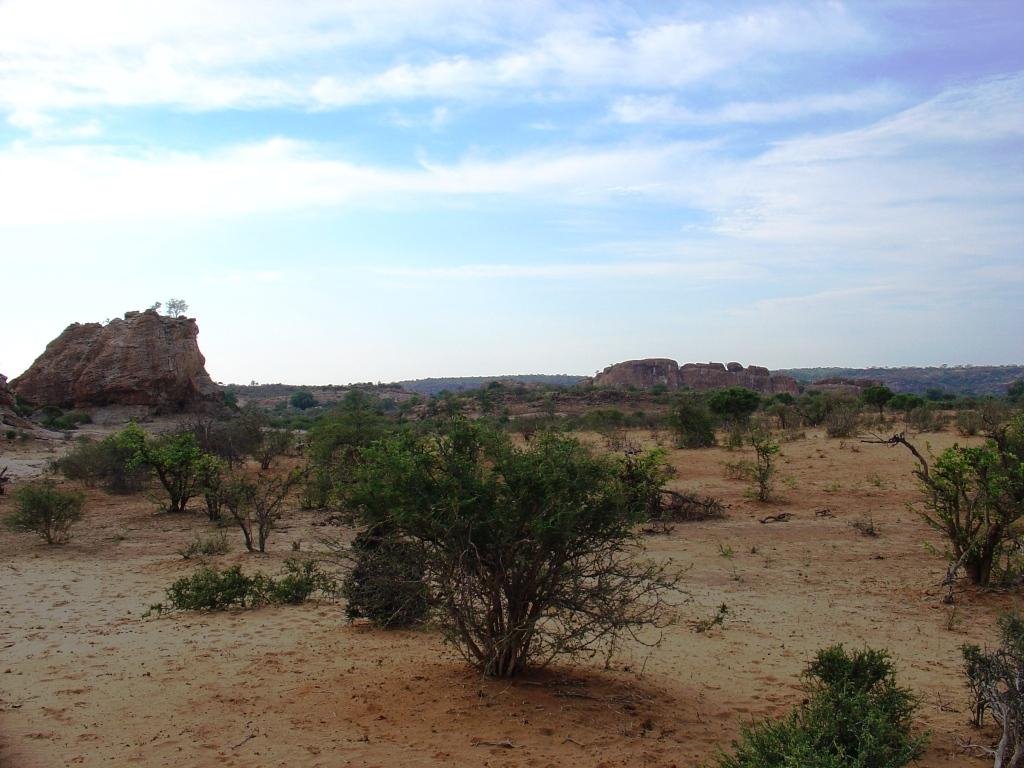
x: 146, y: 359
x: 652, y: 372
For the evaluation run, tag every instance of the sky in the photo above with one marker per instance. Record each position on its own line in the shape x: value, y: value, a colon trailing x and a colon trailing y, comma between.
x: 376, y: 191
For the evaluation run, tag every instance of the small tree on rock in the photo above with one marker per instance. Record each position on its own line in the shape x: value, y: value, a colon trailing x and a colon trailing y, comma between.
x: 176, y: 307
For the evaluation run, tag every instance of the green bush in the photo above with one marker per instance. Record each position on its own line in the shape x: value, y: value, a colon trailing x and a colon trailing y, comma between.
x: 302, y: 399
x: 530, y: 552
x: 969, y: 423
x: 300, y: 580
x: 734, y: 404
x: 214, y: 545
x: 209, y: 589
x: 692, y: 424
x: 842, y: 421
x: 44, y: 509
x: 385, y: 582
x: 105, y: 463
x: 855, y: 717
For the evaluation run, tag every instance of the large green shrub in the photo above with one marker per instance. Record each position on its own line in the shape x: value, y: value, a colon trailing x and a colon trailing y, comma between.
x: 529, y: 553
x: 855, y: 716
x: 105, y: 463
x: 734, y: 404
x: 691, y: 423
x: 42, y: 508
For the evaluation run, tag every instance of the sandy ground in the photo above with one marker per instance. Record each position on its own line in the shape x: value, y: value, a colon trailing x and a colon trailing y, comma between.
x: 85, y: 680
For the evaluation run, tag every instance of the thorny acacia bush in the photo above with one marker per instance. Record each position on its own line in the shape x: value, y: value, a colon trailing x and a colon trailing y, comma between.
x: 42, y: 508
x: 996, y: 680
x: 974, y: 496
x: 385, y: 579
x: 529, y: 553
x: 209, y: 589
x: 855, y: 716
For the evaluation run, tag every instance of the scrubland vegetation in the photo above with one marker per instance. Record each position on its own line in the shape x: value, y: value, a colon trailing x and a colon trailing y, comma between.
x: 524, y: 526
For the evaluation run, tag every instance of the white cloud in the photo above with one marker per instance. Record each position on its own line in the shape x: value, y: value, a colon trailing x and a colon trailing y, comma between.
x: 51, y: 184
x: 700, y: 270
x: 667, y: 109
x: 200, y: 56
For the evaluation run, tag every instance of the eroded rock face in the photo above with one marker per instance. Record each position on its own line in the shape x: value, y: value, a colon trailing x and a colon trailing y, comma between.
x: 645, y: 374
x: 6, y: 395
x: 145, y: 359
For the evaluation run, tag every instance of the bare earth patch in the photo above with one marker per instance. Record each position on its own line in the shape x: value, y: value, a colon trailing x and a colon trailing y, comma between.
x: 84, y: 680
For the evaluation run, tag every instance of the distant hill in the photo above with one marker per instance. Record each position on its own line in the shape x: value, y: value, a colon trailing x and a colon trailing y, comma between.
x: 959, y: 379
x: 460, y: 383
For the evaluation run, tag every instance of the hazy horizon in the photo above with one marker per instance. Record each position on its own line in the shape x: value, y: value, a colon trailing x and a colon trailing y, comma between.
x: 377, y: 191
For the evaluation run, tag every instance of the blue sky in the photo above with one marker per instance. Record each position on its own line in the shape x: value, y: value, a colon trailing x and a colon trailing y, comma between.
x: 367, y: 190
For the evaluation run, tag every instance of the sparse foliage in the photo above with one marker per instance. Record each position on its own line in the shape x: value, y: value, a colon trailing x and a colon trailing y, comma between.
x: 974, y: 496
x: 996, y: 680
x: 255, y: 504
x: 762, y: 472
x: 274, y: 443
x: 176, y: 307
x: 44, y: 509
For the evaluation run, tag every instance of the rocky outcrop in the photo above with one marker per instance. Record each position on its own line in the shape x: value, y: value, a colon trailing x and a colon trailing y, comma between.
x: 645, y: 374
x: 6, y: 395
x: 8, y: 415
x: 146, y: 359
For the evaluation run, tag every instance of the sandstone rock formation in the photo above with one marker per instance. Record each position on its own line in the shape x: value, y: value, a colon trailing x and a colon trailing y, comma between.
x: 644, y: 374
x: 145, y: 359
x: 6, y: 395
x: 8, y: 416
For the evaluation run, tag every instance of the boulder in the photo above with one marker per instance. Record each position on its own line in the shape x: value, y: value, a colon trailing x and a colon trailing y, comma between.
x: 146, y: 359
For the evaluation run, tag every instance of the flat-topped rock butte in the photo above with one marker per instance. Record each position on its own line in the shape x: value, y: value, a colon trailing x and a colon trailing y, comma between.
x: 651, y: 372
x: 144, y: 359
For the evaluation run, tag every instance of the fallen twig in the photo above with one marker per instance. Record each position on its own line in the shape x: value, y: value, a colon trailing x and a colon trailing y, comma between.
x: 782, y: 517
